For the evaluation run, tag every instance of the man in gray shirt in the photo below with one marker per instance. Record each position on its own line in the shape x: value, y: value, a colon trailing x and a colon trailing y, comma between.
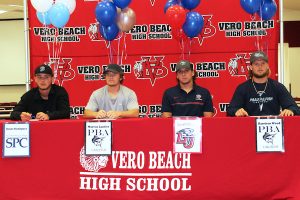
x: 113, y: 100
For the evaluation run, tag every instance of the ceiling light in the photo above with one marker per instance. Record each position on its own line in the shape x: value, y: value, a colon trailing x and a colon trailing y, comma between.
x: 2, y: 11
x: 14, y: 5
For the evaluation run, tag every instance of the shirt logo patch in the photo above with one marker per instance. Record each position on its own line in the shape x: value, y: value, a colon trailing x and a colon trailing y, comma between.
x: 198, y: 97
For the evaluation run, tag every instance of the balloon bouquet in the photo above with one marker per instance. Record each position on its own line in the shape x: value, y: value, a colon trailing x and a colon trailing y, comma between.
x: 115, y: 18
x: 184, y: 22
x: 265, y: 9
x: 54, y: 13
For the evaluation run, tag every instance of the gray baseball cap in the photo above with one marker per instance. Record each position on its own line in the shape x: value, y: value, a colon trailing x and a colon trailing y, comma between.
x: 183, y: 64
x: 258, y: 55
x: 114, y: 68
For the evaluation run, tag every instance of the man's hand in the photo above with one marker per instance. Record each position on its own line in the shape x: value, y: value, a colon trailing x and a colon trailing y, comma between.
x: 241, y: 113
x: 286, y: 112
x: 25, y: 116
x: 101, y: 114
x: 113, y: 114
x: 42, y: 116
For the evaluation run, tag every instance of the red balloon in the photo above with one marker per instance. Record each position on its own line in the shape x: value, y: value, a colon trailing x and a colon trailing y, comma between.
x: 176, y: 16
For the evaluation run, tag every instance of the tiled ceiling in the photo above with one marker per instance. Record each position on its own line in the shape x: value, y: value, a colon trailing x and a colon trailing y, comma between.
x: 14, y: 8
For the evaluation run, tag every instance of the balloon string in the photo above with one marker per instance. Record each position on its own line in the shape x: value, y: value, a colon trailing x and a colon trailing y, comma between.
x: 118, y: 53
x: 190, y: 47
x: 125, y: 47
x: 182, y: 48
x: 111, y: 53
x: 47, y: 35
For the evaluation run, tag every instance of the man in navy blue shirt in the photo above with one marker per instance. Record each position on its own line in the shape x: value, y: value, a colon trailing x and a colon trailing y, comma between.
x: 261, y: 95
x: 187, y: 98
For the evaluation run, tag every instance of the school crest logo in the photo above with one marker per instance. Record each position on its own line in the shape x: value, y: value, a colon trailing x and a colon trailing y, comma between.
x: 239, y: 66
x: 186, y: 137
x: 92, y: 163
x: 152, y: 2
x: 93, y: 32
x: 62, y: 70
x: 150, y: 69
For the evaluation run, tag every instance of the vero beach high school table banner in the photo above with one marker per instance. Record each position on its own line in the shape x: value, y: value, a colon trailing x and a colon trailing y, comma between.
x: 220, y: 54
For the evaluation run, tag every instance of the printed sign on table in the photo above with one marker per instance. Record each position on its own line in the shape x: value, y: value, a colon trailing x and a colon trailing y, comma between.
x: 16, y: 140
x: 98, y: 138
x: 187, y: 134
x: 269, y: 135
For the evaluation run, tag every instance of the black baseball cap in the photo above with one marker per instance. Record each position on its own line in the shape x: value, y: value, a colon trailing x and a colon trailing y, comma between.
x: 113, y: 68
x: 258, y: 55
x: 183, y: 64
x: 43, y: 69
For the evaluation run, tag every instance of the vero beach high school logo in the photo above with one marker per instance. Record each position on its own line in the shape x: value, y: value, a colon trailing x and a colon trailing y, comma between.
x: 62, y: 70
x: 150, y: 69
x: 239, y: 66
x: 92, y: 163
x: 186, y: 137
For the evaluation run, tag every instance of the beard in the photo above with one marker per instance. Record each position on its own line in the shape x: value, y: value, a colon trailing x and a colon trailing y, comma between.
x: 261, y: 75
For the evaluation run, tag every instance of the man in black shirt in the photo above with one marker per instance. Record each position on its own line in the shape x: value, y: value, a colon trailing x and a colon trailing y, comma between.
x: 45, y: 102
x: 187, y: 98
x: 261, y: 95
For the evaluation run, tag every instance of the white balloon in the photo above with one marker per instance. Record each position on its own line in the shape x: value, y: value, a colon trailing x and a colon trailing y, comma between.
x: 42, y: 5
x: 70, y: 4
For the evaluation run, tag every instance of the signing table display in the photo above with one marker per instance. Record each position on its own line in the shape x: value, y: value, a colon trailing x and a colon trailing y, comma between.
x: 143, y: 165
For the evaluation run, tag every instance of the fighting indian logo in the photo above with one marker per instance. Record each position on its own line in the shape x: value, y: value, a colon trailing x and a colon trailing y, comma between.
x: 150, y: 69
x: 239, y: 66
x: 92, y: 163
x: 62, y: 70
x: 186, y: 137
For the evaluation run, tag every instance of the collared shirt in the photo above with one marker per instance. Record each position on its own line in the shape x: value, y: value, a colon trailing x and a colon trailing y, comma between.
x: 56, y: 107
x: 180, y: 103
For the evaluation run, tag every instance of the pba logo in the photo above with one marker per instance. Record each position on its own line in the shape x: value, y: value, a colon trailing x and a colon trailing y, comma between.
x: 62, y: 70
x: 150, y: 69
x: 92, y: 163
x: 186, y: 137
x: 97, y: 141
x: 268, y: 137
x: 239, y: 66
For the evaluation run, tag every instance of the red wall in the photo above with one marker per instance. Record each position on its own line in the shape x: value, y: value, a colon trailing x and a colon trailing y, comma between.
x: 214, y: 52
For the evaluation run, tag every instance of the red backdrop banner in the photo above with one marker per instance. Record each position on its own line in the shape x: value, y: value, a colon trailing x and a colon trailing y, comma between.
x: 148, y: 52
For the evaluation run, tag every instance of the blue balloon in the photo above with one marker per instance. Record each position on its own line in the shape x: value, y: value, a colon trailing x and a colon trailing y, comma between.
x: 122, y: 3
x: 59, y: 15
x: 106, y: 13
x: 190, y: 4
x: 169, y: 4
x: 251, y: 6
x: 109, y: 32
x: 268, y: 10
x: 43, y: 17
x: 193, y: 24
